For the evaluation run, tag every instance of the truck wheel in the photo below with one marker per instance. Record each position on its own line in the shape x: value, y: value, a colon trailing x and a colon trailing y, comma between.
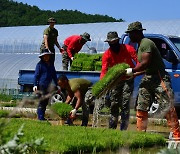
x: 57, y: 98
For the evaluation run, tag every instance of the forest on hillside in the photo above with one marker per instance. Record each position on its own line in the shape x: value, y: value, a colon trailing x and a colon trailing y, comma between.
x: 18, y: 14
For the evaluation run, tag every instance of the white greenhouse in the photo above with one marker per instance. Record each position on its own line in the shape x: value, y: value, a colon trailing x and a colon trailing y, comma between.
x: 19, y: 46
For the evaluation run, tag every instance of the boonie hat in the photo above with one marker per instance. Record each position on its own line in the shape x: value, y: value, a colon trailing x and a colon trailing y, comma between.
x: 111, y: 36
x: 86, y: 36
x: 45, y: 52
x: 51, y: 20
x: 134, y: 26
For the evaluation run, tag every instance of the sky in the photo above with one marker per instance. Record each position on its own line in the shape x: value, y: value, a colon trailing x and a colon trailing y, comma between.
x: 128, y: 10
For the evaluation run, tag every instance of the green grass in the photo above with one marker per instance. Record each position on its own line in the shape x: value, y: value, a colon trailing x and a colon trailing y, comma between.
x: 86, y: 62
x: 88, y: 66
x: 98, y: 65
x: 62, y: 109
x: 76, y: 65
x: 6, y: 98
x: 8, y: 104
x: 4, y: 113
x: 112, y: 74
x: 74, y: 139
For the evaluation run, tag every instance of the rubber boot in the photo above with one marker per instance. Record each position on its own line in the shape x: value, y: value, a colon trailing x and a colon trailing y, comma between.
x: 124, y: 121
x: 84, y: 122
x: 142, y: 120
x: 173, y: 123
x: 40, y: 113
x: 113, y: 122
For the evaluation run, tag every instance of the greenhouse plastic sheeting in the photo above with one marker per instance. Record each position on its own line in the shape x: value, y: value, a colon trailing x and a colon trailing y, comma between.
x: 27, y: 39
x: 19, y: 46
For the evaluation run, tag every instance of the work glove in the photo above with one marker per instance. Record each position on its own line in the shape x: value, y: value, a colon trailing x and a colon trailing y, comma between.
x: 35, y: 88
x: 129, y: 72
x: 72, y: 58
x: 73, y: 112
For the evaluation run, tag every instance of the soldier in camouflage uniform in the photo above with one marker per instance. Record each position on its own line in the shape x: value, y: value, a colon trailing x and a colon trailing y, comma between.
x: 76, y: 89
x: 155, y: 83
x: 50, y: 39
x: 120, y: 95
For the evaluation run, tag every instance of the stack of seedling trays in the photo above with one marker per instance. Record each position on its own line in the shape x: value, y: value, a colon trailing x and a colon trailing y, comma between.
x: 111, y: 78
x: 86, y: 62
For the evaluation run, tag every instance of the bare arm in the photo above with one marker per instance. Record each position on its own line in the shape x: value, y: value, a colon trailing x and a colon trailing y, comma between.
x: 138, y: 73
x: 70, y: 94
x: 68, y: 99
x: 79, y: 99
x: 46, y: 41
x: 57, y: 44
x: 146, y: 59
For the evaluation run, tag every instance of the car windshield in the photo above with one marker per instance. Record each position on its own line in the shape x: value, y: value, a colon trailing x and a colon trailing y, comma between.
x: 176, y: 41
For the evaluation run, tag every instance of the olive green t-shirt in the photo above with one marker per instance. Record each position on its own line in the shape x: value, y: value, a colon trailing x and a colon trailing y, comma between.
x: 52, y: 34
x: 156, y: 65
x: 79, y: 84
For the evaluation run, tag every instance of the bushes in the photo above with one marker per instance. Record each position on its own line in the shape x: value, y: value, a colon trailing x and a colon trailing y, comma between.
x: 86, y: 62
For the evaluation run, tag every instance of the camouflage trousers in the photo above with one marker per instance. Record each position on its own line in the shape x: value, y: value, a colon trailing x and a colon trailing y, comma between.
x: 120, y: 97
x: 85, y: 110
x: 155, y: 87
x: 66, y: 60
x: 85, y: 113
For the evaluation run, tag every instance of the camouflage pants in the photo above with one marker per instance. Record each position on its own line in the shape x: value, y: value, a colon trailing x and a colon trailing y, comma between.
x: 151, y: 87
x: 66, y: 60
x: 120, y: 97
x: 88, y: 100
x: 85, y: 110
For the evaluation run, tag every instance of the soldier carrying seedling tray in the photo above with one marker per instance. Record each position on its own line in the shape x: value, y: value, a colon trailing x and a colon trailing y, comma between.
x: 119, y: 92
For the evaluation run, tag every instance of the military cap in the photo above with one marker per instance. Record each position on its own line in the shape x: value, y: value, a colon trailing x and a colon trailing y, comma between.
x: 134, y: 26
x: 51, y: 20
x: 86, y: 36
x: 111, y: 36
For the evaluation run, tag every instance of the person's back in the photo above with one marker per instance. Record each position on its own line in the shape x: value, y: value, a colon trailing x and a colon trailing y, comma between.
x: 79, y: 84
x: 71, y: 39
